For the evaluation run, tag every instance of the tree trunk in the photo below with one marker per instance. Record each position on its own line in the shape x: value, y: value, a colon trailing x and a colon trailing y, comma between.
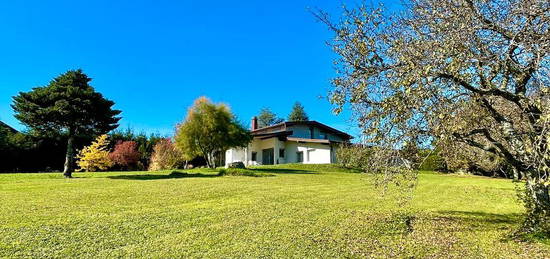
x: 69, y: 157
x: 211, y: 161
x: 537, y: 202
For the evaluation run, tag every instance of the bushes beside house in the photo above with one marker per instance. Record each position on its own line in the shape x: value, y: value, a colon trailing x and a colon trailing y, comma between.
x: 353, y: 156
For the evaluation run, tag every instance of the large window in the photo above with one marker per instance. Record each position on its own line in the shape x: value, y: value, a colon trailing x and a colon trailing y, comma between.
x: 300, y: 157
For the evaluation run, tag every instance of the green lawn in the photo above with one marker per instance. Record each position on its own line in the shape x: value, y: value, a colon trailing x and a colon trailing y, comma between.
x: 291, y: 211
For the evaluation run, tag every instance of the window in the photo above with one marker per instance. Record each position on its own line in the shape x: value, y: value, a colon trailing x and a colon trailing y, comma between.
x: 323, y: 135
x: 254, y: 155
x: 282, y: 152
x: 309, y: 154
x: 311, y: 135
x: 300, y: 157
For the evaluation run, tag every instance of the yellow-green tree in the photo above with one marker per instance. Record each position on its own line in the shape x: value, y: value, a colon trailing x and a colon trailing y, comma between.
x: 209, y: 129
x: 95, y: 157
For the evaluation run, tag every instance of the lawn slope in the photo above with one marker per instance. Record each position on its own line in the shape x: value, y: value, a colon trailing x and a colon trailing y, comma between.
x: 293, y: 211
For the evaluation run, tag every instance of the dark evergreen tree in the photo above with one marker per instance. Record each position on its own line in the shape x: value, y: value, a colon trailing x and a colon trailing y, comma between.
x: 268, y: 118
x: 298, y: 113
x: 68, y: 105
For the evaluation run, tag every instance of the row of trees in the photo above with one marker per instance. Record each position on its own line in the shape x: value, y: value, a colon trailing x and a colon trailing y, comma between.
x: 266, y: 117
x: 208, y: 130
x: 69, y: 110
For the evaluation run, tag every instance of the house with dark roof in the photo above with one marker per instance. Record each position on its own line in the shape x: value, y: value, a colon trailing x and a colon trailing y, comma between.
x: 308, y: 142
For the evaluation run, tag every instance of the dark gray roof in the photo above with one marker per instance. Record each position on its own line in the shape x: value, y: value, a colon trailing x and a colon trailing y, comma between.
x: 282, y: 127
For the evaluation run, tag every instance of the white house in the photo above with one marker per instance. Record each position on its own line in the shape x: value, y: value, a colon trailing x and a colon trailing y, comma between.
x: 307, y: 142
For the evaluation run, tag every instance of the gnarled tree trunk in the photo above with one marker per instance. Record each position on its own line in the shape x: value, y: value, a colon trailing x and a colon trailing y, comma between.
x: 537, y: 203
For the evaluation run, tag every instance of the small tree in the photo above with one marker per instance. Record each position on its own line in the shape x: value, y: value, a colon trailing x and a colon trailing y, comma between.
x: 210, y: 128
x: 165, y: 156
x: 268, y: 118
x: 298, y: 113
x: 67, y: 105
x: 95, y: 156
x: 125, y: 154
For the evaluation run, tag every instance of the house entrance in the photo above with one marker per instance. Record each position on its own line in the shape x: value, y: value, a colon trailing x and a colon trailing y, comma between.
x: 267, y: 156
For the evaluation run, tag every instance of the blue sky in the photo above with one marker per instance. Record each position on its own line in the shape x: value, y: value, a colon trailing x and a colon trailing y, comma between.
x: 153, y: 58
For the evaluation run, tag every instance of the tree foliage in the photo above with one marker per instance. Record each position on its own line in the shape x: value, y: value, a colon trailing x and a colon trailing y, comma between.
x: 209, y: 129
x: 145, y: 143
x: 95, y: 157
x: 353, y: 156
x: 165, y: 156
x: 67, y: 105
x: 267, y: 118
x: 125, y: 155
x: 461, y: 71
x: 298, y: 113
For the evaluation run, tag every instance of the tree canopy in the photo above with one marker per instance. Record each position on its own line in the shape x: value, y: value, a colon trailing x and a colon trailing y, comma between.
x: 268, y: 118
x: 67, y: 105
x: 298, y: 113
x: 463, y: 71
x: 208, y: 129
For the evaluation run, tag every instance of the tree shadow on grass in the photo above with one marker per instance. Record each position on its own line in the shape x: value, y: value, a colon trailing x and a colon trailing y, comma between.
x: 282, y: 171
x: 480, y: 221
x: 484, y: 217
x: 172, y: 175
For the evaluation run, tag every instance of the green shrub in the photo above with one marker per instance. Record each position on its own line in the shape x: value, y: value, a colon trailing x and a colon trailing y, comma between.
x: 240, y: 172
x: 353, y: 156
x: 432, y: 162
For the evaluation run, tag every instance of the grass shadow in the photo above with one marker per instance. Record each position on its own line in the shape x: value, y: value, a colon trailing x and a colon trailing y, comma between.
x: 479, y: 221
x: 483, y: 218
x: 172, y: 175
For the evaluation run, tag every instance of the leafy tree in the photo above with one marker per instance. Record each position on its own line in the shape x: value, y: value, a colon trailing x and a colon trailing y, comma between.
x: 210, y: 128
x: 95, y: 156
x: 67, y: 105
x: 268, y: 118
x: 465, y: 71
x: 125, y: 154
x: 165, y: 156
x: 298, y: 113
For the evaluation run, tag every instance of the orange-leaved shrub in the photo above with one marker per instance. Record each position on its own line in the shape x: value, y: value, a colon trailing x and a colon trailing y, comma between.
x: 166, y: 156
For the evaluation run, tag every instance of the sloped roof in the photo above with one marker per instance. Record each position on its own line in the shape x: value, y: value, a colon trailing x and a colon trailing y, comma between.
x: 283, y: 125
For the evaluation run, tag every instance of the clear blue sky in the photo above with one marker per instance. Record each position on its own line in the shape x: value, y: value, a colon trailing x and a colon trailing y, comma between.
x: 153, y: 58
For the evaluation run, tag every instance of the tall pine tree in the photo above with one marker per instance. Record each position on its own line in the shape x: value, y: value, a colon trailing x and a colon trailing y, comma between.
x: 67, y: 105
x: 298, y: 113
x: 268, y: 118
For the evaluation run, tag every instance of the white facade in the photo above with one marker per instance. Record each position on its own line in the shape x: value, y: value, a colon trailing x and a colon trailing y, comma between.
x: 282, y: 152
x: 288, y: 144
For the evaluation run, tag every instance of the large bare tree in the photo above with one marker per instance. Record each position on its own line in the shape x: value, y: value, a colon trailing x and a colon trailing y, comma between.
x: 418, y: 75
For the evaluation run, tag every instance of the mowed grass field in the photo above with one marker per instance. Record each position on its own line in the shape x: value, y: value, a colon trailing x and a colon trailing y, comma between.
x: 289, y: 211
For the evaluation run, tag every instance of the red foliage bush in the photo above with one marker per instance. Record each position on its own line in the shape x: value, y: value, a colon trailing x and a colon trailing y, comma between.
x: 125, y: 154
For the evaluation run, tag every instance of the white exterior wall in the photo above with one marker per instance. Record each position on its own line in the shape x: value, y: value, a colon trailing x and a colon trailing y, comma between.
x: 314, y: 153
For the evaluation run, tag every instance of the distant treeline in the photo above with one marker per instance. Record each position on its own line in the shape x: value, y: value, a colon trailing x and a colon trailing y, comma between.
x: 32, y: 152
